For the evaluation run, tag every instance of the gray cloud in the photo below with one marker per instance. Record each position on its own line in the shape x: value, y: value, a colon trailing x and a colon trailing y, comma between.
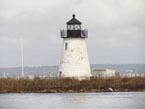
x: 116, y: 30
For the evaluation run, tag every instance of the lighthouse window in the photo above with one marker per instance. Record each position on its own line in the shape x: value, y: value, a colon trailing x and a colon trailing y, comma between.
x: 66, y: 45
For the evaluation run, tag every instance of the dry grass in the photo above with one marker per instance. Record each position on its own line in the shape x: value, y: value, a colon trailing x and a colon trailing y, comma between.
x: 12, y: 85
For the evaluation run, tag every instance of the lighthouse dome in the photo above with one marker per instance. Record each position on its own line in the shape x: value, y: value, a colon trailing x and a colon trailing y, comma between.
x: 73, y: 21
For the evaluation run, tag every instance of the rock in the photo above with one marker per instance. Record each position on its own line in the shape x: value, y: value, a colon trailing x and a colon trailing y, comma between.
x: 61, y: 91
x: 95, y: 90
x: 52, y: 91
x: 44, y: 91
x: 70, y: 91
x: 4, y: 91
x: 82, y: 90
x: 109, y: 90
x: 117, y: 90
x: 126, y: 90
x: 49, y: 91
x: 21, y: 92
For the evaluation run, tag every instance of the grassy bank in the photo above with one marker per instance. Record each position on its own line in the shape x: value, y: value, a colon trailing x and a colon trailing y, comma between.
x: 61, y: 85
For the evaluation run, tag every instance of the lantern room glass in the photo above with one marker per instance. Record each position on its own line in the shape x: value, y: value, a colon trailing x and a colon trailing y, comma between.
x: 74, y: 27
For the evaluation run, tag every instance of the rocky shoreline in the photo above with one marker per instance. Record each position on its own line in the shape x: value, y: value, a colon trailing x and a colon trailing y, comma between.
x: 88, y: 91
x: 76, y: 91
x: 71, y: 85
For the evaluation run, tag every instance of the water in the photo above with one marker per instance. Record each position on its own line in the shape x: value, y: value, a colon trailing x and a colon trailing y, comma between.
x: 105, y: 100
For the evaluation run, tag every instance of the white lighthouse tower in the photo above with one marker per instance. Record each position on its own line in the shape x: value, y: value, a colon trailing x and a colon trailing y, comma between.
x: 74, y: 58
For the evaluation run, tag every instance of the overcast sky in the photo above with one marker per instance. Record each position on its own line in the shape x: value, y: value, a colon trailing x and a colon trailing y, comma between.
x: 116, y: 30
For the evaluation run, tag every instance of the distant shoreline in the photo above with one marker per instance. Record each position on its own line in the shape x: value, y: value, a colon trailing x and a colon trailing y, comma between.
x: 53, y: 70
x: 35, y: 66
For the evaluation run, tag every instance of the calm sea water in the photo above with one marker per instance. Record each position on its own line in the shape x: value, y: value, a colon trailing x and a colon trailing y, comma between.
x: 105, y: 100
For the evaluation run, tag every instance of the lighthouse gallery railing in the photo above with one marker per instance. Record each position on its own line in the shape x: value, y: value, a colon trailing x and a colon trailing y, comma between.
x: 84, y: 33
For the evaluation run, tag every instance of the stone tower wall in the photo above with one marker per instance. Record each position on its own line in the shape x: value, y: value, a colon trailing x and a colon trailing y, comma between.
x: 74, y: 58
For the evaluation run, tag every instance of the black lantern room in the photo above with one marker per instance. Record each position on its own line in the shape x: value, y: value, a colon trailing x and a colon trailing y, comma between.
x: 74, y: 29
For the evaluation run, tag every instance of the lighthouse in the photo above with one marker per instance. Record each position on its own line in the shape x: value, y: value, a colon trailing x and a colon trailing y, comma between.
x: 74, y: 57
